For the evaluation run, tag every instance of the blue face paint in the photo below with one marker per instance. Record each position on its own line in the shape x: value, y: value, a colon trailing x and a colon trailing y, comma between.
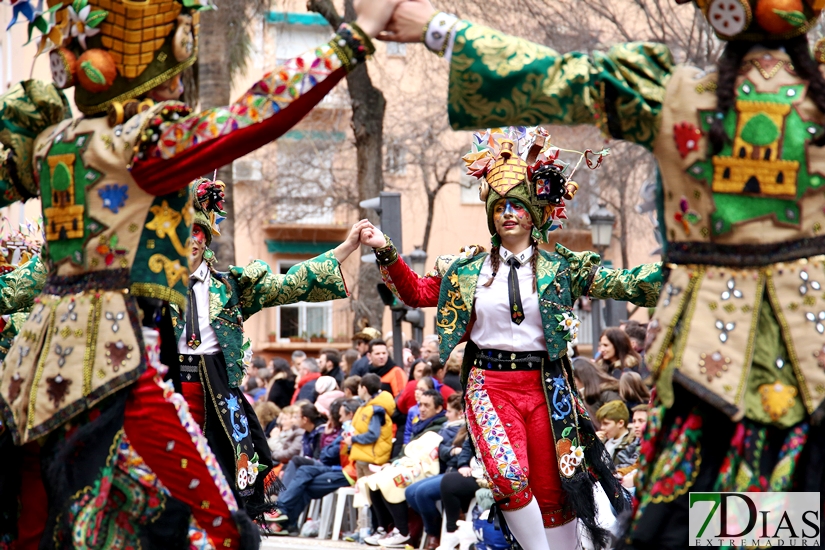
x: 512, y: 208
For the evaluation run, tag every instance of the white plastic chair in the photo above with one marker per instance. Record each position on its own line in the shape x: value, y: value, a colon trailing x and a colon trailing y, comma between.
x: 326, y: 515
x: 341, y: 494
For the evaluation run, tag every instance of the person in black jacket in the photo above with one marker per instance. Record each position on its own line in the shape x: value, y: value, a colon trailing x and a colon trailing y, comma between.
x: 329, y: 360
x: 423, y: 495
x: 283, y: 383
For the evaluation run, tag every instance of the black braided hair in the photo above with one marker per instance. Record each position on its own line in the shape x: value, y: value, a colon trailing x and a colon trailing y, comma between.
x: 495, y: 263
x: 534, y: 264
x: 808, y: 69
x: 729, y: 64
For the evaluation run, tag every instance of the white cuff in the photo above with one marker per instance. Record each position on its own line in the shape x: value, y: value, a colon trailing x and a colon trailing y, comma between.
x: 439, y: 37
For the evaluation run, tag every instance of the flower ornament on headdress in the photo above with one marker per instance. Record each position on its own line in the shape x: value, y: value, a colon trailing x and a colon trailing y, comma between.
x: 520, y: 163
x: 208, y: 198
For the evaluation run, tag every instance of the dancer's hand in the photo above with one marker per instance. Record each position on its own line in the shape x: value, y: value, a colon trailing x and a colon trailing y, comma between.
x: 370, y: 236
x: 373, y: 15
x: 408, y: 21
x: 350, y: 245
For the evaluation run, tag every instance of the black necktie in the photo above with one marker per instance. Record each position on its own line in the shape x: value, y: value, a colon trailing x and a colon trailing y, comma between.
x: 193, y: 331
x: 516, y: 310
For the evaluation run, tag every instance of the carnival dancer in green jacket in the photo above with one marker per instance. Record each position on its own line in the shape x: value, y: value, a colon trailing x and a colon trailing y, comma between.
x: 737, y: 344
x: 210, y: 338
x: 514, y: 308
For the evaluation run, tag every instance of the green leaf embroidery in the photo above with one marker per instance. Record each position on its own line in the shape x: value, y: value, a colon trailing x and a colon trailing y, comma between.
x: 565, y: 432
x: 96, y: 17
x: 795, y: 18
x: 78, y: 5
x: 94, y: 75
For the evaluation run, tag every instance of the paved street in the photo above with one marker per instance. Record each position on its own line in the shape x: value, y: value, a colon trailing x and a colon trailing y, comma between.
x: 298, y: 543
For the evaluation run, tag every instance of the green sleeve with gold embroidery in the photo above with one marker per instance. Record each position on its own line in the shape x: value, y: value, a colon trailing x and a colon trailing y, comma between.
x: 501, y: 80
x: 26, y: 109
x: 20, y: 287
x: 640, y: 285
x: 315, y: 280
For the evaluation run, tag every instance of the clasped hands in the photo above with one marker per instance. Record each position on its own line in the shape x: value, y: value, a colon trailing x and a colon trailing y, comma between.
x: 394, y: 20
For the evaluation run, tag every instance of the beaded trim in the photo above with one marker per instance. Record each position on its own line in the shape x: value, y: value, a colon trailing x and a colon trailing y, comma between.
x: 743, y: 255
x: 352, y: 45
x: 110, y: 279
x: 386, y: 255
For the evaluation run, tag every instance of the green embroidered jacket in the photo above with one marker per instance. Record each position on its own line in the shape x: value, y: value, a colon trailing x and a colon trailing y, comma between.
x: 563, y: 277
x: 236, y: 295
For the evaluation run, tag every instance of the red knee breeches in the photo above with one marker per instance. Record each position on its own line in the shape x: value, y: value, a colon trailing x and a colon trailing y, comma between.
x: 510, y: 425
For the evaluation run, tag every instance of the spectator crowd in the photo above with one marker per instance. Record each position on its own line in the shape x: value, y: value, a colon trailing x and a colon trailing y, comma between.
x: 397, y: 433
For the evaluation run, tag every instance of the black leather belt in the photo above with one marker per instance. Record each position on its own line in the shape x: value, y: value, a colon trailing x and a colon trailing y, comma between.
x: 494, y: 359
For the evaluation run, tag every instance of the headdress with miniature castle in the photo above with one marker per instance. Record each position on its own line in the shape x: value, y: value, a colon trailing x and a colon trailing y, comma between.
x: 759, y: 20
x: 208, y: 196
x: 113, y: 51
x: 520, y: 163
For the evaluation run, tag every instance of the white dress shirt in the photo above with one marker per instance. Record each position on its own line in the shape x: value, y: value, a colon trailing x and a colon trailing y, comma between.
x: 209, y: 340
x: 493, y: 327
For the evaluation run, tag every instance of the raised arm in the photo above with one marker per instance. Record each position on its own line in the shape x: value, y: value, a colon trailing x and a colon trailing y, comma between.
x: 19, y: 288
x: 406, y: 284
x: 502, y: 80
x: 640, y: 285
x: 26, y: 109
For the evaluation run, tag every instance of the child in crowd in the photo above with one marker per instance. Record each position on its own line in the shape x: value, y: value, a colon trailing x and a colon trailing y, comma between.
x: 638, y: 425
x: 286, y: 440
x: 619, y: 441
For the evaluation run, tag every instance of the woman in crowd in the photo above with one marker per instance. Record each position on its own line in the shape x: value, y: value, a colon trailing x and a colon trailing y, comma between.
x: 283, y: 383
x: 286, y: 440
x: 616, y: 353
x: 632, y: 390
x: 327, y: 390
x: 333, y: 427
x: 594, y: 385
x: 347, y: 359
x: 313, y: 423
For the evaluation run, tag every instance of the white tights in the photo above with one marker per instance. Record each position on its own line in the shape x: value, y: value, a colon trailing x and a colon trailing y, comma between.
x: 526, y: 525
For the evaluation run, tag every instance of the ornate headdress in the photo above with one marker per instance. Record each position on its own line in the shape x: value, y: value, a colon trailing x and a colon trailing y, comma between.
x: 208, y: 201
x: 519, y: 163
x: 113, y: 51
x: 759, y: 20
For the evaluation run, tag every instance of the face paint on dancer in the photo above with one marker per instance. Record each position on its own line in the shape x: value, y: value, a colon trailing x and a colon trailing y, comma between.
x: 198, y: 246
x: 511, y: 218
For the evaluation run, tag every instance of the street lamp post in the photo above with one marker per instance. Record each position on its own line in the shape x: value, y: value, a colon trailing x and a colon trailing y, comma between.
x: 601, y: 230
x: 418, y: 261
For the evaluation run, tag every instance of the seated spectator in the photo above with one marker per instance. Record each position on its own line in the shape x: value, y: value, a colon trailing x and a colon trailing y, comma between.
x: 619, y: 441
x: 329, y: 360
x: 422, y: 369
x: 348, y: 359
x: 595, y: 386
x: 386, y: 488
x: 453, y: 366
x: 333, y: 427
x: 423, y: 495
x: 267, y: 413
x: 393, y: 377
x: 313, y: 424
x: 307, y: 375
x: 282, y: 385
x: 314, y: 481
x: 458, y: 488
x: 632, y: 390
x: 414, y: 415
x: 286, y: 439
x: 327, y: 390
x: 616, y: 354
x: 350, y: 387
x: 371, y: 442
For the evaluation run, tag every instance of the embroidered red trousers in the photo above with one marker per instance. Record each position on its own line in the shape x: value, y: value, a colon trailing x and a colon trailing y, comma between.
x: 185, y: 466
x: 510, y: 425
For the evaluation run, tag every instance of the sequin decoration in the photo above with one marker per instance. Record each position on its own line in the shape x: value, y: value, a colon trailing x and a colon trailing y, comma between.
x: 686, y: 136
x: 57, y: 388
x: 807, y: 284
x: 732, y: 291
x: 713, y: 365
x: 818, y: 320
x: 671, y: 292
x: 117, y: 353
x: 724, y: 329
x: 492, y: 430
x: 686, y: 215
x: 777, y: 399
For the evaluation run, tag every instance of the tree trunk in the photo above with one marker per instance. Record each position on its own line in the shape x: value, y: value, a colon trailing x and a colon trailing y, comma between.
x: 214, y: 90
x: 430, y: 214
